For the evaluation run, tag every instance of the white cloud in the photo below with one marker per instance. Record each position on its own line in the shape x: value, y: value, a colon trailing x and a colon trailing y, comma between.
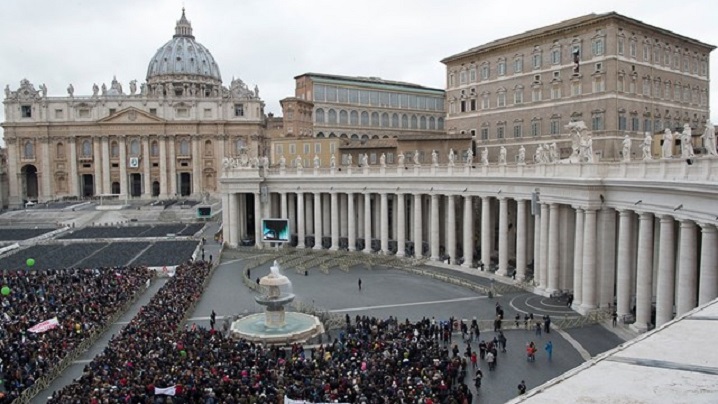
x: 268, y: 42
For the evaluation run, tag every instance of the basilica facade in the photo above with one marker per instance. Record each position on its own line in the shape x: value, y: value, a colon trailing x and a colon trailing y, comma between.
x: 164, y: 138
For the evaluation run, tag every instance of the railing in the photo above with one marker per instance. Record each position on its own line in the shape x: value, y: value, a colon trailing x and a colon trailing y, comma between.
x: 700, y: 169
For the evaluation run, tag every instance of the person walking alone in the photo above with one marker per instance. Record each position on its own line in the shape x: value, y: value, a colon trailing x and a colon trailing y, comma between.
x: 549, y: 350
x: 359, y: 283
x: 522, y: 388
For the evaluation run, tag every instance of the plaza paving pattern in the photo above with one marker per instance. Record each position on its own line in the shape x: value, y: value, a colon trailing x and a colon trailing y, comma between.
x: 394, y: 292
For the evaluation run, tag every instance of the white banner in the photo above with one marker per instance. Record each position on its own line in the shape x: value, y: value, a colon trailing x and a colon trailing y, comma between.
x: 288, y: 400
x: 168, y: 391
x: 45, y: 326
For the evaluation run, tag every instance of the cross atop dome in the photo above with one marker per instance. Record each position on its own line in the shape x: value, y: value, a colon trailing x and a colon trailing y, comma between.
x: 183, y: 27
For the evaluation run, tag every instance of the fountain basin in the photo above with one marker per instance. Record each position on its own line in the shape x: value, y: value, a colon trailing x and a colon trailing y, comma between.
x: 282, y: 300
x: 297, y: 327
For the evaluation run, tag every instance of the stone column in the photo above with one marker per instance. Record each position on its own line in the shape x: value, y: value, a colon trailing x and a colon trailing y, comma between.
x: 625, y: 258
x: 360, y: 215
x: 351, y: 222
x: 418, y: 227
x: 197, y: 166
x: 544, y: 246
x: 13, y: 173
x: 644, y: 277
x: 106, y: 188
x: 687, y: 269
x: 400, y: 225
x: 301, y: 231
x: 588, y: 279
x: 486, y: 232
x: 283, y: 205
x: 607, y: 258
x: 97, y: 164
x: 468, y: 239
x: 233, y: 223
x: 553, y: 248
x: 173, y: 166
x: 578, y: 259
x: 318, y: 230
x: 503, y: 237
x: 709, y: 264
x: 451, y: 231
x: 666, y: 272
x: 384, y: 223
x: 122, y: 142
x: 434, y: 231
x: 258, y: 220
x: 537, y: 247
x: 74, y: 176
x: 164, y: 184
x: 521, y: 232
x: 326, y: 215
x: 335, y: 220
x: 367, y: 223
x: 146, y: 177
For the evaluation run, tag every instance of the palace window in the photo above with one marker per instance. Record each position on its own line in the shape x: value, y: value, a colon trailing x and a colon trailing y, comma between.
x: 485, y: 71
x: 518, y: 129
x: 501, y: 68
x: 501, y: 99
x: 518, y: 64
x: 597, y: 121
x: 536, y: 57
x: 556, y: 56
x: 26, y: 111
x: 555, y: 126
x: 621, y: 122
x: 484, y: 133
x: 135, y: 147
x: 154, y: 149
x: 184, y: 147
x: 500, y: 131
x: 598, y: 45
x: 319, y: 115
x: 114, y: 149
x: 60, y: 151
x: 536, y: 128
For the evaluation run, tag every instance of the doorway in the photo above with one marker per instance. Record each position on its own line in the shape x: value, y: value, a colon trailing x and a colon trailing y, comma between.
x: 135, y: 185
x: 88, y: 185
x: 155, y: 188
x: 29, y: 182
x: 185, y: 184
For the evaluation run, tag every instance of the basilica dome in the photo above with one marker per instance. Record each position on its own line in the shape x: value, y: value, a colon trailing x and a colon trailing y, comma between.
x: 183, y: 58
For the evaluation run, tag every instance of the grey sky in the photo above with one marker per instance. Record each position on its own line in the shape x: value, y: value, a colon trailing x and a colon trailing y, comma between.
x: 268, y: 42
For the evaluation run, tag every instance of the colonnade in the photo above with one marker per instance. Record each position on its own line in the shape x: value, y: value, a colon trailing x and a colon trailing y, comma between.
x: 627, y: 260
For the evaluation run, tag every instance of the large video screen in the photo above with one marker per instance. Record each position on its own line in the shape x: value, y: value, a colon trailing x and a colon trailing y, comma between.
x: 275, y: 230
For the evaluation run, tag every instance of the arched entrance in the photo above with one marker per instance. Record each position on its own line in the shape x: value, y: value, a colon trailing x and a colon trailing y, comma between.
x: 29, y: 182
x: 88, y: 185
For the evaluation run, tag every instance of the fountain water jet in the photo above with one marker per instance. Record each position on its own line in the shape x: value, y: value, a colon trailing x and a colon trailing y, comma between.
x: 275, y: 326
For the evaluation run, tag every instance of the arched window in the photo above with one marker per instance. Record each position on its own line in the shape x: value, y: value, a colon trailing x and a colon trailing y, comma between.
x: 135, y: 147
x: 184, y: 147
x: 374, y: 119
x: 239, y: 145
x: 60, y: 151
x: 208, y: 151
x: 414, y: 122
x: 155, y: 149
x: 319, y: 116
x: 422, y: 122
x: 354, y: 118
x: 332, y: 117
x: 114, y: 149
x: 343, y: 117
x: 385, y: 120
x: 86, y: 148
x: 395, y: 120
x: 364, y: 118
x: 440, y: 122
x: 404, y: 121
x: 355, y: 136
x: 432, y: 123
x: 29, y: 150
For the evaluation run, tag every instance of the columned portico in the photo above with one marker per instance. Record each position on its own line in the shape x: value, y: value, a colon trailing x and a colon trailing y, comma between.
x: 586, y: 248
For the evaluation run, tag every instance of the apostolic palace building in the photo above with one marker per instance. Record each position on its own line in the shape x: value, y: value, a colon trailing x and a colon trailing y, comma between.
x: 542, y: 159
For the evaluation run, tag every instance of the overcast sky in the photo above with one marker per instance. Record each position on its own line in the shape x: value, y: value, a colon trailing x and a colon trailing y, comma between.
x: 268, y: 42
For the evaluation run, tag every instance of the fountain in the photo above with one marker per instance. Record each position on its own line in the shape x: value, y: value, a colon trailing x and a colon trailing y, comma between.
x: 275, y: 325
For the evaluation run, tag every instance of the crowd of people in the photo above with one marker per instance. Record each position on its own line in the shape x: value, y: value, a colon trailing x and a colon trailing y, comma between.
x: 150, y: 351
x: 82, y: 300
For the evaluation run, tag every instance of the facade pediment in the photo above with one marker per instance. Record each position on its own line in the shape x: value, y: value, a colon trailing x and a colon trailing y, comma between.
x: 131, y: 115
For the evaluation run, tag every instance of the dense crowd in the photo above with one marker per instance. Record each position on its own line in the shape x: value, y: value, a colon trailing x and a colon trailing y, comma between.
x: 83, y: 300
x: 150, y: 351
